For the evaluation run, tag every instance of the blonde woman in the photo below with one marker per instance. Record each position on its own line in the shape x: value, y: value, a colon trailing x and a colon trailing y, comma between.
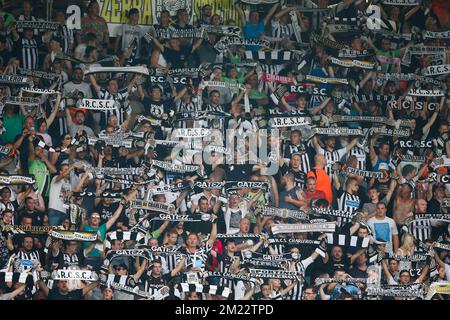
x: 406, y: 249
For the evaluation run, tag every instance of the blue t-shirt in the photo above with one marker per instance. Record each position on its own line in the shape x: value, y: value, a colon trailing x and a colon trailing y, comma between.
x: 286, y: 205
x: 252, y: 31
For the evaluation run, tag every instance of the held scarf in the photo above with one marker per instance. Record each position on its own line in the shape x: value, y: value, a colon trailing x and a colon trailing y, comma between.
x: 295, y: 26
x: 275, y: 56
x: 226, y: 42
x: 430, y: 216
x: 180, y: 186
x: 263, y: 263
x: 153, y: 206
x: 294, y: 228
x: 209, y: 185
x: 67, y: 274
x: 337, y: 131
x: 41, y: 25
x: 294, y: 242
x: 437, y: 70
x: 267, y: 257
x: 334, y: 213
x: 15, y: 80
x: 284, y: 213
x: 97, y: 104
x: 326, y: 80
x: 137, y: 70
x: 320, y: 281
x: 200, y: 288
x: 438, y: 287
x: 410, y: 158
x: 389, y: 132
x: 141, y: 253
x: 347, y: 240
x: 223, y: 84
x: 445, y: 203
x: 184, y: 217
x: 373, y: 97
x: 406, y: 291
x: 425, y: 93
x: 138, y: 237
x: 339, y: 118
x: 179, y: 33
x: 111, y: 142
x: 406, y: 77
x: 222, y: 29
x: 349, y: 53
x: 34, y: 229
x: 435, y: 35
x: 17, y: 180
x: 352, y: 63
x: 17, y: 277
x: 218, y: 149
x: 191, y: 133
x: 393, y: 35
x: 364, y: 173
x: 246, y: 185
x: 39, y: 91
x: 128, y: 285
x: 38, y: 74
x: 26, y: 101
x: 267, y: 77
x: 162, y: 250
x: 275, y: 274
x: 440, y: 162
x: 402, y: 2
x: 338, y: 28
x: 326, y: 42
x: 112, y: 171
x: 172, y: 167
x: 104, y: 194
x: 229, y: 275
x: 125, y: 181
x: 73, y: 235
x: 238, y: 236
x: 413, y: 258
x: 284, y: 122
x: 442, y: 246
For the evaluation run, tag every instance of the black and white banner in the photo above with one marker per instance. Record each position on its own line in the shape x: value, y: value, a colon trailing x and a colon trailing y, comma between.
x: 402, y: 2
x: 275, y: 56
x: 113, y: 171
x: 312, y: 227
x: 171, y: 33
x: 284, y: 122
x: 200, y: 288
x: 320, y: 281
x: 275, y: 274
x: 349, y: 53
x: 226, y: 42
x: 406, y: 291
x: 97, y: 104
x: 191, y: 133
x: 137, y: 70
x: 153, y: 206
x: 437, y: 70
x: 19, y: 101
x: 334, y: 213
x: 413, y: 258
x: 347, y: 240
x: 326, y: 80
x: 39, y: 91
x: 229, y: 276
x: 38, y: 74
x: 246, y: 184
x: 40, y: 25
x: 294, y: 242
x: 112, y: 254
x: 389, y: 132
x: 17, y: 180
x: 67, y: 274
x: 172, y: 167
x: 425, y: 93
x: 364, y: 173
x: 352, y: 63
x: 73, y: 235
x: 15, y: 80
x: 284, y: 213
x: 337, y: 131
x: 326, y: 42
x: 122, y: 236
x: 436, y: 35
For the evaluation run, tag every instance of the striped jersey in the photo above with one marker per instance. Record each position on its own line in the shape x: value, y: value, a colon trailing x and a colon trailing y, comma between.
x: 349, y: 203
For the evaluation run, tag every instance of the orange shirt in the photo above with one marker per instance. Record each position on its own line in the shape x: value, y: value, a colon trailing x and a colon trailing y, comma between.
x: 323, y: 182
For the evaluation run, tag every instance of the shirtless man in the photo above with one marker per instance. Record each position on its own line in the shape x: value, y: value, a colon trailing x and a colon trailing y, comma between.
x: 403, y: 204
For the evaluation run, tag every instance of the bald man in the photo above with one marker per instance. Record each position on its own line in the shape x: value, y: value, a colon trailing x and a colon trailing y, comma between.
x: 323, y: 181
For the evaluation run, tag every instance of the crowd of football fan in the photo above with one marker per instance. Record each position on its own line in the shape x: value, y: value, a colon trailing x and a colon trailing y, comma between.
x: 60, y: 146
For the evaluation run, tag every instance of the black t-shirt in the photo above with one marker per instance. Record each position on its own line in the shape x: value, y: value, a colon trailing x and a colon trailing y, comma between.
x: 72, y: 295
x: 177, y: 58
x: 155, y: 109
x: 299, y: 176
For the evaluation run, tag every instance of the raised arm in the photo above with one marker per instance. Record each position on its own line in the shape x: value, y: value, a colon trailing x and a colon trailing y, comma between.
x: 213, y: 235
x: 52, y: 116
x: 270, y: 13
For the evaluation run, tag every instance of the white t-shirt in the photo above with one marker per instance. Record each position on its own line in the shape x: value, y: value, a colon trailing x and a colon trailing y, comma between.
x: 233, y: 217
x: 128, y: 34
x: 447, y: 272
x: 58, y: 194
x: 384, y: 230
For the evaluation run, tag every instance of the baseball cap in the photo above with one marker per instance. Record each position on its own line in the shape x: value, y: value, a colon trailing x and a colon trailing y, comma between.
x: 383, y: 166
